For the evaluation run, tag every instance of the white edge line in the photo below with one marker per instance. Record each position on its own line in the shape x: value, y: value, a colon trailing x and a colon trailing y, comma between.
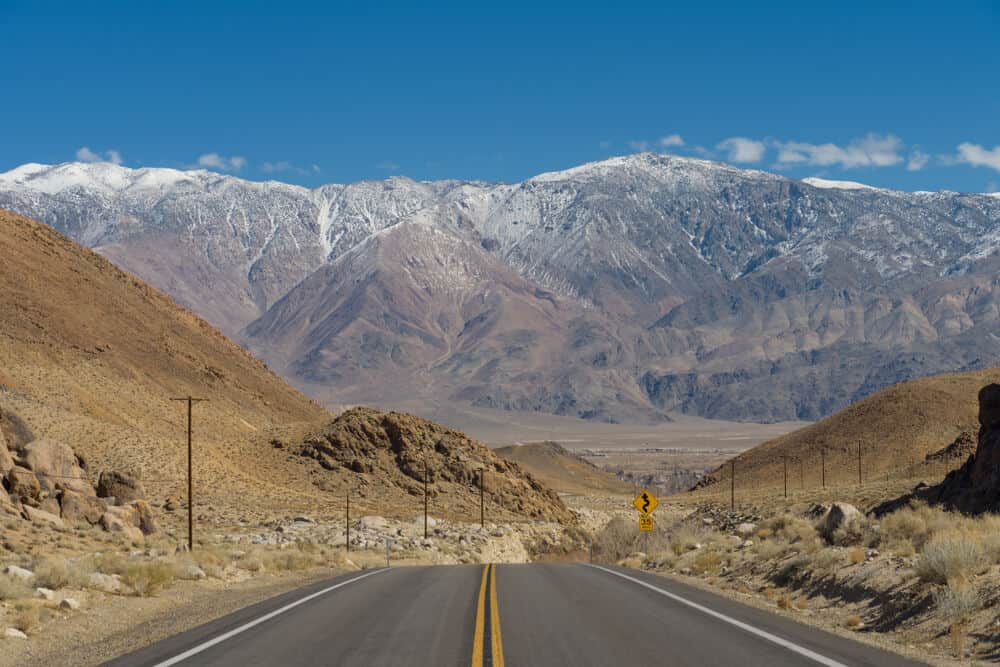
x: 266, y: 617
x: 763, y: 634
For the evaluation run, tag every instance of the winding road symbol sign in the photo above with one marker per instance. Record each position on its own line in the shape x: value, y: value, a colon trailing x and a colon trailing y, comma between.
x: 645, y: 502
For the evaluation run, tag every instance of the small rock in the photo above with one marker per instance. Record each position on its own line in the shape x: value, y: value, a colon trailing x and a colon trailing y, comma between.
x: 45, y: 593
x: 19, y: 573
x: 71, y: 604
x: 746, y: 529
x: 191, y: 572
x: 14, y: 633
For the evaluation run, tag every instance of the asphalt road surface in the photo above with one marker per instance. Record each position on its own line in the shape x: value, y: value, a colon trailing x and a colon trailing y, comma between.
x: 539, y: 614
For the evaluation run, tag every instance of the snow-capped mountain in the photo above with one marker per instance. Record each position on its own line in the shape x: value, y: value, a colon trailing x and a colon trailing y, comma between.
x: 617, y: 289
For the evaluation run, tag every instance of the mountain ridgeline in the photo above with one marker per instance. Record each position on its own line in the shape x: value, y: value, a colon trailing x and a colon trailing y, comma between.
x: 618, y: 290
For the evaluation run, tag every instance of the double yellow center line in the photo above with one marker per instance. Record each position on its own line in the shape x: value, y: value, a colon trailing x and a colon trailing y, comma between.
x: 487, y: 647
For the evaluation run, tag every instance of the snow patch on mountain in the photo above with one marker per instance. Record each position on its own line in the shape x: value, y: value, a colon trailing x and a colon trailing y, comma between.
x: 837, y: 185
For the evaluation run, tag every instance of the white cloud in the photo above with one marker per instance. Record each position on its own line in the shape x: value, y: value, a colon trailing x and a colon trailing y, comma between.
x: 671, y: 140
x: 872, y: 150
x: 216, y: 161
x: 639, y: 146
x: 741, y: 149
x: 84, y: 154
x: 978, y: 156
x: 315, y: 168
x: 917, y: 160
x: 275, y: 167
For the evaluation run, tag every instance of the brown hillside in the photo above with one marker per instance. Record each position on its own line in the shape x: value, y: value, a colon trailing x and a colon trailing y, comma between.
x: 383, y: 457
x: 562, y: 470
x: 92, y: 356
x: 900, y: 429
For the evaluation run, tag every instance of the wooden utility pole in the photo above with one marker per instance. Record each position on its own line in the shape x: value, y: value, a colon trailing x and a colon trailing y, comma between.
x: 859, y: 463
x: 190, y: 401
x: 732, y: 485
x: 426, y: 492
x: 784, y: 462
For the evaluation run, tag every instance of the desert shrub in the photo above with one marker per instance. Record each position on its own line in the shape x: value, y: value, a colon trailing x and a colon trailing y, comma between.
x: 289, y: 560
x: 251, y: 561
x: 51, y: 572
x: 784, y: 602
x: 856, y: 555
x: 791, y: 528
x: 616, y: 540
x: 956, y: 603
x: 12, y: 588
x: 706, y: 562
x: 853, y: 622
x: 27, y: 616
x: 147, y: 578
x: 770, y: 549
x: 792, y: 570
x: 827, y: 561
x: 951, y: 557
x: 110, y: 563
x: 684, y: 538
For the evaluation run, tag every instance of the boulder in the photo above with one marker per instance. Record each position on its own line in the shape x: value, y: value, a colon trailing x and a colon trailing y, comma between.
x: 107, y: 583
x: 23, y: 486
x: 843, y: 523
x: 50, y: 505
x: 123, y: 487
x: 70, y: 604
x: 746, y: 529
x: 144, y: 517
x: 6, y: 459
x: 113, y: 523
x: 373, y: 523
x: 14, y: 633
x: 56, y: 466
x: 39, y: 517
x: 80, y: 508
x: 45, y: 593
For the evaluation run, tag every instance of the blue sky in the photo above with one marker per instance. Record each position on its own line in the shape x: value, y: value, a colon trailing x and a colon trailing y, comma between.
x: 904, y: 96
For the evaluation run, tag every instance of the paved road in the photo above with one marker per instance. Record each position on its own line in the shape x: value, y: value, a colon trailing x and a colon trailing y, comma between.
x: 567, y: 614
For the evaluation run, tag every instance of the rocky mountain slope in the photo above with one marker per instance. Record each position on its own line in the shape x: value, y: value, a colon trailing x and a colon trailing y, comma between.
x: 621, y: 289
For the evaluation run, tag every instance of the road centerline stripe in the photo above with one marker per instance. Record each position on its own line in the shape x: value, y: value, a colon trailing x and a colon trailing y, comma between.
x: 257, y: 621
x: 496, y: 639
x: 478, y: 636
x: 763, y: 634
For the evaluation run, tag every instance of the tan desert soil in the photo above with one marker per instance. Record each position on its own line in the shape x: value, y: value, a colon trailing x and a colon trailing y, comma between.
x: 124, y: 624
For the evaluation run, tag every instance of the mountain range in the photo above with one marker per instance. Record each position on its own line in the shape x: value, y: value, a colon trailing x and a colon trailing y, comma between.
x: 618, y: 290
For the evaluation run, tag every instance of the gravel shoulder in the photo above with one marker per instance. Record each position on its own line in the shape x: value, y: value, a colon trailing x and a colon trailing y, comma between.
x: 124, y: 624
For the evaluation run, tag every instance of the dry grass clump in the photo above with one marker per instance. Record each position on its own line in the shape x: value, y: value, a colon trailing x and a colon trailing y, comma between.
x: 828, y: 561
x: 55, y: 572
x: 794, y: 530
x: 110, y: 562
x: 27, y: 616
x: 853, y: 622
x: 12, y: 588
x: 784, y: 602
x: 856, y: 555
x: 684, y: 538
x: 951, y: 557
x: 147, y: 578
x: 706, y: 562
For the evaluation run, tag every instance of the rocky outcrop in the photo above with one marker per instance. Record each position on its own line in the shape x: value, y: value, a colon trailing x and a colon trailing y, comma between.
x: 56, y: 467
x: 123, y: 487
x: 23, y: 486
x: 841, y: 524
x: 975, y: 487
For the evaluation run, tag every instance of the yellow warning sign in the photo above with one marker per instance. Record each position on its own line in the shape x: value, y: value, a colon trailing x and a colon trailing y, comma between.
x: 645, y: 502
x: 645, y: 522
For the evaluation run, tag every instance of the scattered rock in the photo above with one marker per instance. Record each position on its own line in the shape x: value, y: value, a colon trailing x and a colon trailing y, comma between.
x: 45, y: 593
x: 190, y: 571
x: 746, y: 529
x: 14, y: 633
x: 79, y: 508
x: 123, y: 487
x: 144, y: 514
x: 23, y: 486
x: 115, y: 524
x: 172, y: 504
x: 39, y: 516
x: 72, y: 604
x: 373, y: 523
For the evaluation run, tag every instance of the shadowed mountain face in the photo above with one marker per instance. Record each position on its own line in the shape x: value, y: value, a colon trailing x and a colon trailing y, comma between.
x: 617, y: 290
